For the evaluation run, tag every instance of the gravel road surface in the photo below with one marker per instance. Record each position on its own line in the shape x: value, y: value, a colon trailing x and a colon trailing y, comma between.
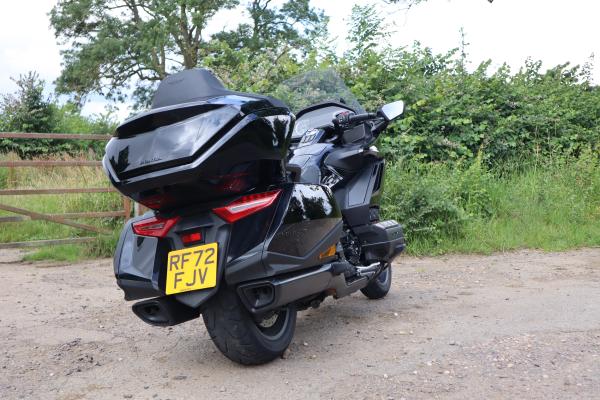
x: 515, y: 325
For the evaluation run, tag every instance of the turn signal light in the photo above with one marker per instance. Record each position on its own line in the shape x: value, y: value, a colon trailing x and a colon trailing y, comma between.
x: 154, y: 226
x: 246, y: 205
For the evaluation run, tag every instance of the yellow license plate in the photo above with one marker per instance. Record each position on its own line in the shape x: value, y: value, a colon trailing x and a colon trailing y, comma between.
x: 192, y: 268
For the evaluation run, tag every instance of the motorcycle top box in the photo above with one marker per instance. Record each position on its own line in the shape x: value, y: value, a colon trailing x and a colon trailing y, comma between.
x: 199, y: 142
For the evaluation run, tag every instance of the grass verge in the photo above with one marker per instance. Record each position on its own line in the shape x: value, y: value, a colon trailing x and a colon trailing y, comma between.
x: 554, y: 205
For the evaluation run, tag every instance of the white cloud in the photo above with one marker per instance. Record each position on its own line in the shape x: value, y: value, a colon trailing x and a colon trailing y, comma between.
x: 26, y: 42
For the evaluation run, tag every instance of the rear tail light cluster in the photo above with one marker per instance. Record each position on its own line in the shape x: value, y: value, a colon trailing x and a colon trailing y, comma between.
x: 159, y: 227
x: 246, y: 205
x: 154, y: 226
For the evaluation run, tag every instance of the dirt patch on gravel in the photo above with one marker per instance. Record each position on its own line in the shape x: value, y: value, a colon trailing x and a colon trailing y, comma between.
x: 515, y: 325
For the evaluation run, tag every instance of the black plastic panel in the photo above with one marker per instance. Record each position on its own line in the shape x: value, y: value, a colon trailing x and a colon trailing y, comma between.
x: 381, y: 241
x: 310, y: 215
x: 140, y: 262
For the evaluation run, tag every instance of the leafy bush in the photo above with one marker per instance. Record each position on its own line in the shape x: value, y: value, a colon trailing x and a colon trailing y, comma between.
x: 454, y: 113
x: 434, y: 200
x: 548, y: 203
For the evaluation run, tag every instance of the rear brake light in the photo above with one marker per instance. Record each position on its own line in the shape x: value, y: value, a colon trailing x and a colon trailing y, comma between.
x: 246, y: 205
x: 154, y: 226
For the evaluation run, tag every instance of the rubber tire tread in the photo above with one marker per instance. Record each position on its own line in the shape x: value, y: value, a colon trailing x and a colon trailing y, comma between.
x: 377, y: 290
x: 234, y: 332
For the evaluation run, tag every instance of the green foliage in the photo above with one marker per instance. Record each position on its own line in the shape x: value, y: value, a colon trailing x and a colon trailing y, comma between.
x: 454, y: 114
x: 551, y: 203
x: 276, y: 28
x: 367, y: 30
x: 435, y: 200
x: 27, y: 110
x: 117, y: 44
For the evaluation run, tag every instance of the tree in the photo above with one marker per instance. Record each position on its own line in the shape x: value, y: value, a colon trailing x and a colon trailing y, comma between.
x: 27, y: 110
x: 117, y: 45
x: 271, y: 28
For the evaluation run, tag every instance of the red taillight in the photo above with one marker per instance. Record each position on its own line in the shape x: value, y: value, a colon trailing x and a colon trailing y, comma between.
x: 154, y: 226
x: 246, y: 205
x: 157, y: 201
x: 188, y: 238
x: 233, y: 182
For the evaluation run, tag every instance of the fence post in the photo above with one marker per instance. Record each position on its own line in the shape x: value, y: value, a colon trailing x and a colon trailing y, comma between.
x: 126, y: 207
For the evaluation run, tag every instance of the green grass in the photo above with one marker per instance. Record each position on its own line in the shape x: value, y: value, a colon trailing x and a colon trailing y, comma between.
x: 104, y: 246
x: 59, y: 177
x: 69, y: 253
x: 552, y: 206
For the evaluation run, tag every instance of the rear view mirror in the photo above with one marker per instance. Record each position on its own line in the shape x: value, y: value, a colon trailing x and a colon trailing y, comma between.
x: 393, y: 110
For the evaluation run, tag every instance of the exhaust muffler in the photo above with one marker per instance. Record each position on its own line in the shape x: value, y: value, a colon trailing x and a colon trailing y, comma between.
x: 164, y: 311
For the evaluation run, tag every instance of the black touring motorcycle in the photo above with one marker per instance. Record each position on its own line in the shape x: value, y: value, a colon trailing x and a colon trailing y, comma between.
x: 256, y: 213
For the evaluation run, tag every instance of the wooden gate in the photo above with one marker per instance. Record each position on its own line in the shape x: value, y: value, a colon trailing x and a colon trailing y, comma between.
x: 67, y: 219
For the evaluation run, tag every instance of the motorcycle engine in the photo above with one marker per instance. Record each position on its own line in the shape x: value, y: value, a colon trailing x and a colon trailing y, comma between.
x: 352, y: 248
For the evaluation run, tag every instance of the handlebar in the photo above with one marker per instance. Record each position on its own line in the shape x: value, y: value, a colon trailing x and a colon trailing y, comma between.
x: 361, y: 117
x: 345, y: 119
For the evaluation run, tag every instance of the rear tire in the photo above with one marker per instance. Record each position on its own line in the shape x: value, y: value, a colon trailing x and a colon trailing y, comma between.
x: 380, y: 286
x: 239, y: 337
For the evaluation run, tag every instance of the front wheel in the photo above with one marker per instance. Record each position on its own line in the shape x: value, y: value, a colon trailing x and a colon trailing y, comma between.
x: 380, y: 286
x: 243, y: 339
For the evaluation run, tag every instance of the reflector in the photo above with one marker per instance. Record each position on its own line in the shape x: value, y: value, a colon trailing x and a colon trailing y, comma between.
x: 191, y: 237
x: 328, y: 253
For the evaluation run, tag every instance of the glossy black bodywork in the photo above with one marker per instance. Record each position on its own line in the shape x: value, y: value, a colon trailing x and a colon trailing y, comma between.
x: 381, y: 240
x: 355, y: 176
x: 286, y: 237
x: 226, y: 145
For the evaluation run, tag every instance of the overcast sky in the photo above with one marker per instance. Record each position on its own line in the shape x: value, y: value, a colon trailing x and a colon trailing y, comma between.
x: 554, y: 31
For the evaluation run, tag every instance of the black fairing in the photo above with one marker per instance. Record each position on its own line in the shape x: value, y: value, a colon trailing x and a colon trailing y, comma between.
x: 307, y: 222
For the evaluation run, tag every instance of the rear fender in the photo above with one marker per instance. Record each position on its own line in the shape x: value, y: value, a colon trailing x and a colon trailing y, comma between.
x: 140, y: 262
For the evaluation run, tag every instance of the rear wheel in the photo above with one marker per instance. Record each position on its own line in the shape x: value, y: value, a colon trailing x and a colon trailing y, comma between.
x: 243, y: 339
x: 380, y: 286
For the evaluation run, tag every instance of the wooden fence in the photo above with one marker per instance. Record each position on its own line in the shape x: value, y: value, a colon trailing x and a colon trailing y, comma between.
x: 68, y: 219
